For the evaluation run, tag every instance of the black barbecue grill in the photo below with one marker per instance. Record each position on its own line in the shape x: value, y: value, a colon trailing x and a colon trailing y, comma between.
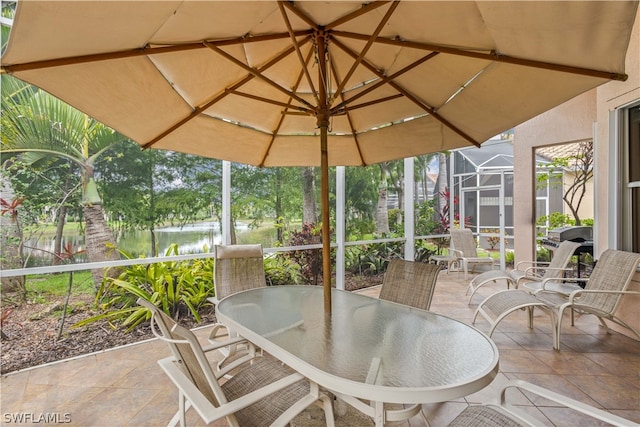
x: 578, y: 233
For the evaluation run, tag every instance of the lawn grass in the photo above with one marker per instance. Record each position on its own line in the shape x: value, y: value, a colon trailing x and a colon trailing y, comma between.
x: 57, y: 284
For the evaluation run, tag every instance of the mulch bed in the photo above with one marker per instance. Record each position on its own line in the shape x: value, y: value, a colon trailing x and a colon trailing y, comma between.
x: 31, y: 330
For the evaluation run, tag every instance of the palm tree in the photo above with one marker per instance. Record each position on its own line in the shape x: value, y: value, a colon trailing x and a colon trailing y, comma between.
x: 38, y: 126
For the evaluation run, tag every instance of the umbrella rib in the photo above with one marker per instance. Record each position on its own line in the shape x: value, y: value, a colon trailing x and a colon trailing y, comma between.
x: 270, y: 101
x: 285, y: 111
x: 144, y: 51
x: 366, y: 8
x: 258, y: 74
x: 363, y: 51
x: 349, y: 119
x: 369, y: 103
x: 491, y: 56
x: 384, y: 81
x: 198, y: 110
x: 411, y: 97
x: 294, y: 40
x: 291, y: 6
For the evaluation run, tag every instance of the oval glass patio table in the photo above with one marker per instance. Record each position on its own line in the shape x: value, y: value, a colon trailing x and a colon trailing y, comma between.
x: 366, y: 348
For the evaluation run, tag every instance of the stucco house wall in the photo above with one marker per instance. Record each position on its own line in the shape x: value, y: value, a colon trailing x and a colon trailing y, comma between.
x: 586, y: 116
x: 569, y: 122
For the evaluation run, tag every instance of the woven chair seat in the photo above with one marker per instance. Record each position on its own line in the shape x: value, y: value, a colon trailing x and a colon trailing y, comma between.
x: 502, y: 302
x: 261, y: 392
x: 527, y: 271
x: 484, y: 416
x: 601, y: 296
x: 505, y: 414
x: 263, y: 372
x: 491, y: 276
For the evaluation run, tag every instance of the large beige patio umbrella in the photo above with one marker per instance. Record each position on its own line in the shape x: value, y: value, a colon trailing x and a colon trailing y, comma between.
x: 316, y: 83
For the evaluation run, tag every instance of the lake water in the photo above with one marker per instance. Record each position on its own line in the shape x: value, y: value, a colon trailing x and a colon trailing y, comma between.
x: 191, y: 238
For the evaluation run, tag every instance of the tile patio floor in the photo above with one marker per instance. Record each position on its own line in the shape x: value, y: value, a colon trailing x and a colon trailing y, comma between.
x: 125, y: 387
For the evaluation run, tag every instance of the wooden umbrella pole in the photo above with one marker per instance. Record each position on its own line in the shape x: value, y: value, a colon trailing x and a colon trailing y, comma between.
x: 323, y: 124
x: 326, y: 232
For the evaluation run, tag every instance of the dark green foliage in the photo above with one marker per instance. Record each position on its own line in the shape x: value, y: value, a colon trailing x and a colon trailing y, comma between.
x: 424, y: 250
x: 373, y: 258
x: 179, y: 288
x: 281, y: 270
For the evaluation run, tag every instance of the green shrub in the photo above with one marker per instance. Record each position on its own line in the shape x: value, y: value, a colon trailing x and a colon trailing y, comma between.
x: 424, y: 250
x: 280, y: 270
x: 543, y: 255
x: 509, y: 258
x: 179, y: 288
x: 372, y: 258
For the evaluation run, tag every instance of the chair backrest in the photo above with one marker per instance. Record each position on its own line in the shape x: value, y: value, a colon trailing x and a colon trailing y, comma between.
x: 613, y: 272
x: 187, y: 352
x: 238, y: 268
x: 462, y: 240
x: 410, y: 283
x: 561, y: 257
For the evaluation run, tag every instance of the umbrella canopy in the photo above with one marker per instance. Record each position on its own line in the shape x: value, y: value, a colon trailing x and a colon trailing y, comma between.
x: 315, y: 83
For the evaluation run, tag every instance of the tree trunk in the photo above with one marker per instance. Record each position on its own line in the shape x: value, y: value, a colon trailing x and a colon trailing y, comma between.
x: 154, y: 249
x: 382, y: 214
x: 278, y: 208
x: 60, y: 220
x: 99, y: 241
x: 310, y: 211
x: 232, y: 230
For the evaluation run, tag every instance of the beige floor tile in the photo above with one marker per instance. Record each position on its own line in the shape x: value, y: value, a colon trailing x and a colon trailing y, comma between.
x: 125, y: 387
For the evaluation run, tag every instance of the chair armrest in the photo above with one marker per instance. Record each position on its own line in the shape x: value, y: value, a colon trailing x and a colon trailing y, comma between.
x: 563, y: 400
x: 214, y: 331
x: 458, y: 253
x: 221, y: 344
x: 531, y: 263
x: 205, y: 408
x: 532, y: 271
x: 543, y: 284
x: 577, y: 293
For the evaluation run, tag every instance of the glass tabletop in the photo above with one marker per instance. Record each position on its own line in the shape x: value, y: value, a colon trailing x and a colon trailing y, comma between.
x: 365, y: 345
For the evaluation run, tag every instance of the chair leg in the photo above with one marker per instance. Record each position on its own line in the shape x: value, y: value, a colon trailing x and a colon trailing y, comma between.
x: 327, y: 406
x: 530, y: 313
x: 180, y: 416
x: 556, y: 338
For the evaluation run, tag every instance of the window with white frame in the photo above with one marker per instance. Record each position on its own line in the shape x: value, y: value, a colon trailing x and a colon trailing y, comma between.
x: 629, y: 232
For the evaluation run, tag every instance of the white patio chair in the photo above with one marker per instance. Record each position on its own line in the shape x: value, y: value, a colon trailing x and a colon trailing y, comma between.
x: 410, y: 283
x: 530, y: 273
x: 601, y: 296
x: 261, y: 391
x: 503, y: 414
x: 237, y: 268
x: 465, y: 248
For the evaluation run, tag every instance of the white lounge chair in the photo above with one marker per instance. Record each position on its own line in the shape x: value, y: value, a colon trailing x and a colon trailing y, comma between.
x: 529, y: 273
x: 601, y: 296
x: 464, y: 247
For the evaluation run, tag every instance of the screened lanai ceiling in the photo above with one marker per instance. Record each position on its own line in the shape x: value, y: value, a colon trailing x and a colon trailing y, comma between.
x: 245, y: 82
